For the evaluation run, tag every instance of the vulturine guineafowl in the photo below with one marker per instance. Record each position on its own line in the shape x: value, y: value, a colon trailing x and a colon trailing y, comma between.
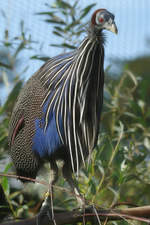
x: 57, y: 114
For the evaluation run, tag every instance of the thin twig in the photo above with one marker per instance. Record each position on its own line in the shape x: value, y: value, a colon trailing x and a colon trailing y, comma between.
x: 138, y: 213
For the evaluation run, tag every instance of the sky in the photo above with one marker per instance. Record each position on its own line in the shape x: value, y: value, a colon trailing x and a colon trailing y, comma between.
x: 130, y: 16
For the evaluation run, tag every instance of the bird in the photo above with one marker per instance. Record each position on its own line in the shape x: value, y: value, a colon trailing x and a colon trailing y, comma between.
x: 57, y: 113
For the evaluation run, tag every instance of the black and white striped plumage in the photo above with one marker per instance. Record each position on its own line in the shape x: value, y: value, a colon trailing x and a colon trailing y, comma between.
x: 57, y: 114
x: 75, y: 95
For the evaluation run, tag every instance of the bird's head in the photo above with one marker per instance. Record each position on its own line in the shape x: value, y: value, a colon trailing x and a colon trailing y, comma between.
x: 102, y: 19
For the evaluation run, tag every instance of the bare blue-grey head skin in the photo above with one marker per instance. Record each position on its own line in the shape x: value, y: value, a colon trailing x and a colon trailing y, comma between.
x: 57, y: 114
x: 103, y: 20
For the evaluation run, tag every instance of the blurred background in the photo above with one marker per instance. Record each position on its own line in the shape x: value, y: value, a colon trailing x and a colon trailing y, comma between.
x: 132, y: 41
x: 32, y: 32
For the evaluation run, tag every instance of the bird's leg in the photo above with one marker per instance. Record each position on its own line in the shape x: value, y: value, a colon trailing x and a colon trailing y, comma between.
x: 68, y: 176
x: 47, y: 207
x: 54, y: 168
x: 80, y: 199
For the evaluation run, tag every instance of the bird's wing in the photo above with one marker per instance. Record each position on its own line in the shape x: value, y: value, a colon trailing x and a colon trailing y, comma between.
x: 16, y: 123
x: 17, y: 128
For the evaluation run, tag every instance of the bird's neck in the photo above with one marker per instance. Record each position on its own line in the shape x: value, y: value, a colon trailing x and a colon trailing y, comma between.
x: 90, y: 72
x: 96, y: 33
x: 89, y: 86
x: 90, y: 55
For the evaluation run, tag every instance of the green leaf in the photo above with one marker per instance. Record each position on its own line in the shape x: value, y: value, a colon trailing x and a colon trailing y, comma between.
x: 46, y: 13
x: 63, y: 45
x: 86, y: 10
x: 63, y: 4
x: 57, y: 33
x: 20, y: 47
x: 71, y: 25
x: 14, y: 195
x: 2, y: 137
x: 55, y: 21
x: 8, y: 166
x: 92, y: 187
x: 68, y: 46
x: 115, y: 193
x: 5, y: 183
x: 5, y: 65
x: 59, y: 29
x: 11, y: 98
x: 37, y: 57
x: 75, y: 4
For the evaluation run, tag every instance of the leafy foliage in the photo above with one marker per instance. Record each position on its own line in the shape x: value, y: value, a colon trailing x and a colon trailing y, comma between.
x: 68, y: 25
x: 120, y: 167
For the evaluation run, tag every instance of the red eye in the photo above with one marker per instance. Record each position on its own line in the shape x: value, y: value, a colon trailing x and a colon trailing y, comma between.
x: 101, y: 20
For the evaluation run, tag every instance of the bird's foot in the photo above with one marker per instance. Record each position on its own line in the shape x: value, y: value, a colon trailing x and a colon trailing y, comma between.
x: 46, y: 210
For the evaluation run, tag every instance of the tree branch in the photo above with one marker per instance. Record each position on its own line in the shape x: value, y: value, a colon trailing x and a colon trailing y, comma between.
x: 136, y: 213
x: 69, y: 217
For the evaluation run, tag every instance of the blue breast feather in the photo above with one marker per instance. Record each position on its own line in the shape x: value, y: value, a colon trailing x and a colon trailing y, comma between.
x: 46, y: 142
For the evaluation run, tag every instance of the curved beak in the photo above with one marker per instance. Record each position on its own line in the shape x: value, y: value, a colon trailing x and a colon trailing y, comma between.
x: 112, y: 27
